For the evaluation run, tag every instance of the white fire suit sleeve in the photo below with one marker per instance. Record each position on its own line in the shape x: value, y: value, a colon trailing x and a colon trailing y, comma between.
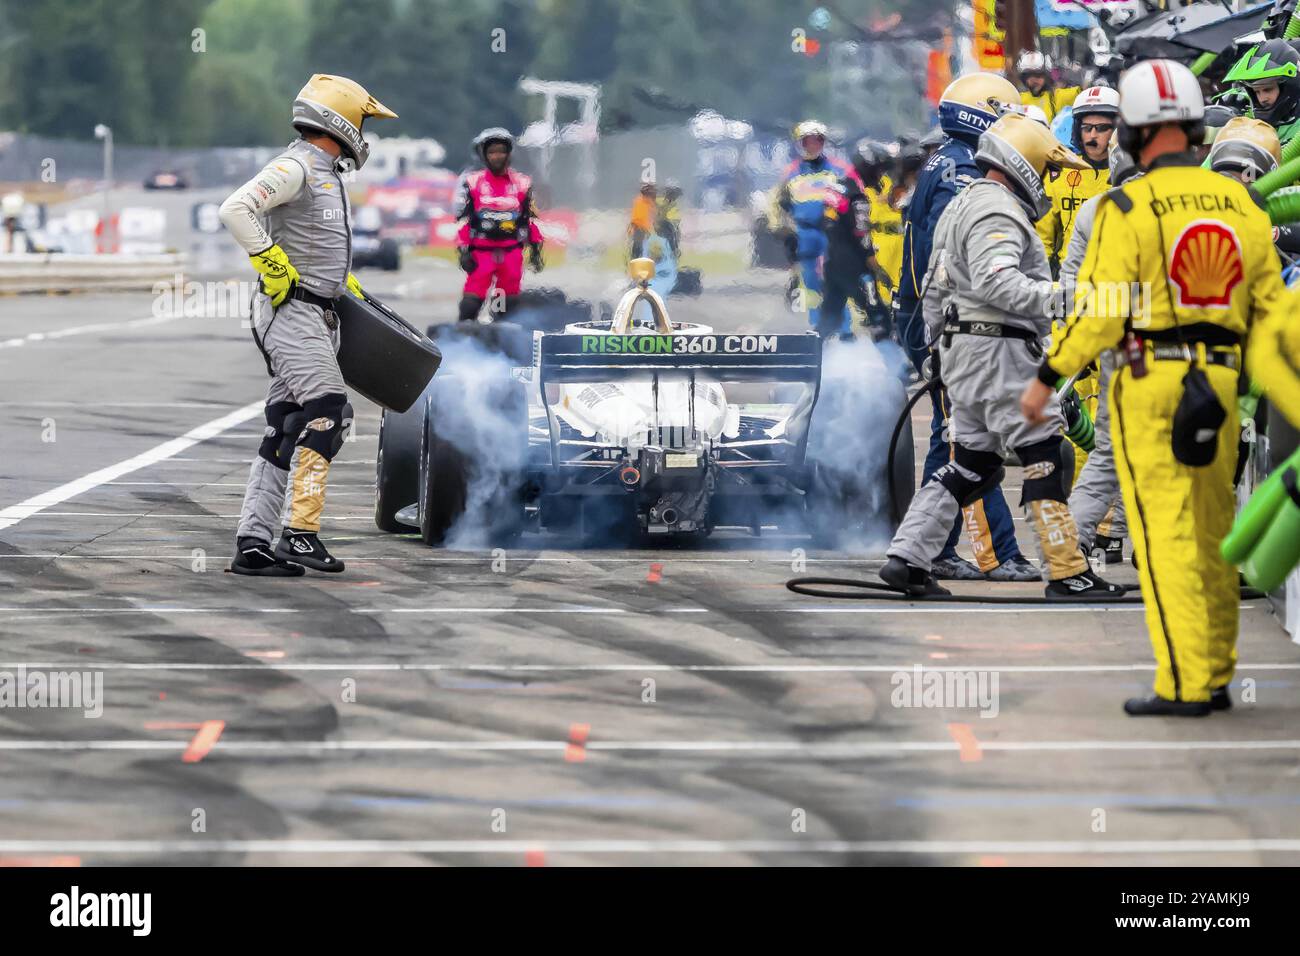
x: 278, y: 182
x: 996, y: 247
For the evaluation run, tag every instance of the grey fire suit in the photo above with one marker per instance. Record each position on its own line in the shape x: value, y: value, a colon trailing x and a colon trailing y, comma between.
x: 1096, y: 492
x: 299, y: 202
x: 989, y: 304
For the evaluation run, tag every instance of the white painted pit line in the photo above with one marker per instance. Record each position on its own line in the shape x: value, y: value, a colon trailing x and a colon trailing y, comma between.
x: 720, y: 748
x: 617, y: 668
x: 48, y: 499
x: 34, y: 612
x: 86, y: 330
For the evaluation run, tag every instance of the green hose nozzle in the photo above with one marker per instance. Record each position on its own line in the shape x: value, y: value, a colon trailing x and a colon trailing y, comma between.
x: 1265, y: 540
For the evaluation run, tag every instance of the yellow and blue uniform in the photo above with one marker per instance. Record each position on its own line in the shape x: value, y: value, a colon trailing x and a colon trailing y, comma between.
x: 806, y: 188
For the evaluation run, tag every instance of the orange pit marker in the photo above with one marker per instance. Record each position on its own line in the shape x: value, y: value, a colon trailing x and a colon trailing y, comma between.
x: 12, y: 861
x: 576, y: 751
x: 205, y: 738
x: 965, y: 738
x: 535, y: 858
x: 656, y: 574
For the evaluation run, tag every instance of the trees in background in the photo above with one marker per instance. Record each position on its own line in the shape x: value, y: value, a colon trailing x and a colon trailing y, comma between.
x: 136, y: 65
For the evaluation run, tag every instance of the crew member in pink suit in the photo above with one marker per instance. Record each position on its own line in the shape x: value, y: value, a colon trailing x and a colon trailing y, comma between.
x: 496, y: 204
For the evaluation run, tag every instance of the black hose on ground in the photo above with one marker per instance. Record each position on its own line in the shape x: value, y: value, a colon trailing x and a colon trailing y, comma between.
x: 862, y: 590
x: 904, y: 419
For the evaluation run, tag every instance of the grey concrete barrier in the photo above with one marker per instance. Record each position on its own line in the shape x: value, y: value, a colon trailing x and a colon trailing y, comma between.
x: 56, y: 272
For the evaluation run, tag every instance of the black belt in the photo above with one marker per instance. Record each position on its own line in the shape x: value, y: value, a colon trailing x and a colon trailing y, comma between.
x: 1187, y: 353
x: 303, y: 295
x: 992, y: 330
x: 1206, y: 332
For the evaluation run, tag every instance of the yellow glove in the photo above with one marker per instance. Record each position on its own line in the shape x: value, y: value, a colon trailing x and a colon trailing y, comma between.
x: 278, y: 274
x: 354, y: 286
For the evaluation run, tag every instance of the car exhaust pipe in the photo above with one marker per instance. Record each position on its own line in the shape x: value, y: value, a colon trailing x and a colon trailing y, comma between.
x: 630, y: 476
x: 668, y: 516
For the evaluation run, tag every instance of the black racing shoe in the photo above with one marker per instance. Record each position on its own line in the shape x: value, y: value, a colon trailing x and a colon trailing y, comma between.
x: 254, y: 557
x: 904, y: 577
x: 1154, y: 706
x: 1085, y: 586
x: 305, y: 548
x: 955, y: 569
x: 1220, y: 699
x: 1112, y: 549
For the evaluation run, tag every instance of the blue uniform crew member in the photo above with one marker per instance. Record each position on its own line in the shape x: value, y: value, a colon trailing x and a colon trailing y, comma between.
x: 806, y: 189
x: 967, y: 108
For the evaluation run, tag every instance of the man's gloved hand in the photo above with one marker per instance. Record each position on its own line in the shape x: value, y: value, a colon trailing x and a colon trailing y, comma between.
x: 466, y: 257
x: 278, y: 274
x: 1078, y: 423
x: 535, y: 257
x: 354, y: 286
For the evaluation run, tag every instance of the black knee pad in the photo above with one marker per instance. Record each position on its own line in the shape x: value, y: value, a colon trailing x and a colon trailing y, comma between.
x: 986, y: 465
x: 277, y: 440
x: 1044, y: 471
x: 326, y: 421
x: 469, y: 307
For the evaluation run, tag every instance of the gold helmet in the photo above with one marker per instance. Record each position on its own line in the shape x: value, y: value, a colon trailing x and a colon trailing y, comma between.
x: 1246, y: 145
x: 971, y: 104
x: 1025, y: 151
x: 338, y: 106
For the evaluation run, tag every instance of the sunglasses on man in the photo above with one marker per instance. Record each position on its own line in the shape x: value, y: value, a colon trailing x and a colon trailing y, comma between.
x: 1096, y: 127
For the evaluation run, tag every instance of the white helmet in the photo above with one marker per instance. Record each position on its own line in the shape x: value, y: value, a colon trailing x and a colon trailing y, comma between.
x: 1031, y: 61
x: 1097, y: 99
x: 1159, y: 91
x: 1035, y: 113
x: 1155, y: 92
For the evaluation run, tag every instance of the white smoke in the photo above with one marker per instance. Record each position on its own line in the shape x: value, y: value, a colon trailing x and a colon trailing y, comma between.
x: 857, y: 408
x: 481, y: 412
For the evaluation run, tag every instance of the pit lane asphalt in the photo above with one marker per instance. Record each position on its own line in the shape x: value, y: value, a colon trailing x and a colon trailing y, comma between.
x: 557, y: 706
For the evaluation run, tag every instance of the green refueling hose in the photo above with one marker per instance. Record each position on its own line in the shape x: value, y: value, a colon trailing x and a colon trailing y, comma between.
x: 1292, y: 30
x: 1203, y: 62
x: 1284, y: 206
x: 1285, y: 174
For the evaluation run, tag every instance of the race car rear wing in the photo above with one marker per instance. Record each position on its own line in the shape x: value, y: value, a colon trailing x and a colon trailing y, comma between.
x: 733, y: 357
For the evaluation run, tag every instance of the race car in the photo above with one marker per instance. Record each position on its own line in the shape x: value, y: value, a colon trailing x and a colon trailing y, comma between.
x: 639, y: 427
x: 370, y: 248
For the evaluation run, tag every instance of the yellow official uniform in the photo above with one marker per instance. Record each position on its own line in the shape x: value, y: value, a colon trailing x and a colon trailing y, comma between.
x: 1201, y: 246
x: 1068, y: 191
x: 1052, y: 100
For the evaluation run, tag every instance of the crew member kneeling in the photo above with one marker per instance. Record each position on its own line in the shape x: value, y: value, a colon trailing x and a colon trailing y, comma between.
x: 293, y: 220
x: 989, y: 303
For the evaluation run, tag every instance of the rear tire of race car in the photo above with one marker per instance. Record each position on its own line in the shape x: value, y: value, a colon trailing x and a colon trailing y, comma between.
x: 848, y: 503
x: 390, y: 255
x: 445, y: 476
x: 904, y: 471
x: 397, y: 466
